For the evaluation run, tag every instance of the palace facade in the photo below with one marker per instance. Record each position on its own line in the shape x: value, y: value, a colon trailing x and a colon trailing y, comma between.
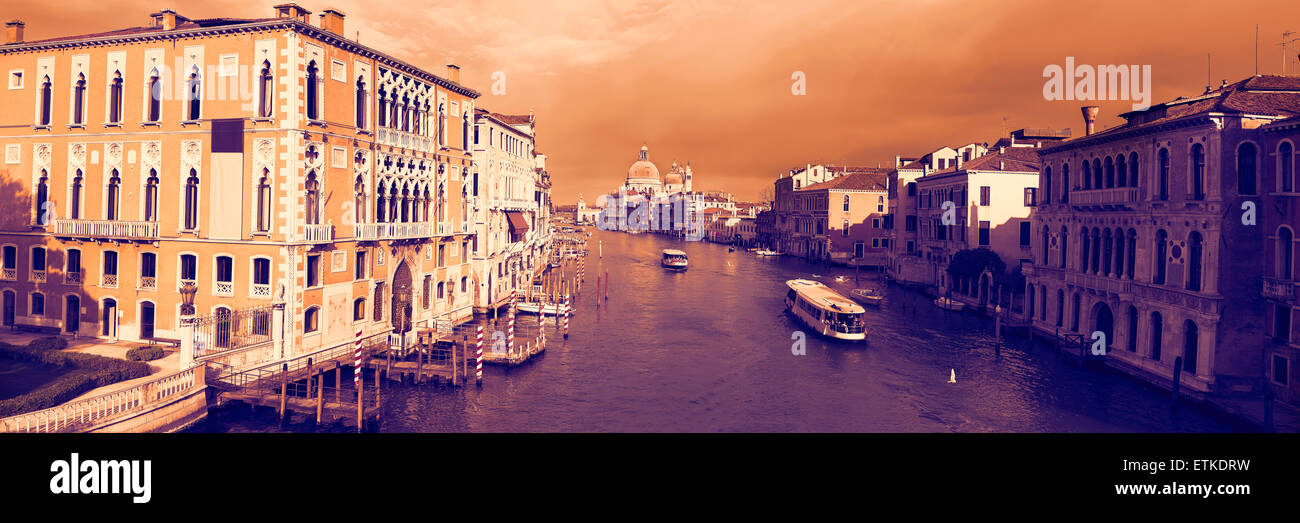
x: 267, y: 161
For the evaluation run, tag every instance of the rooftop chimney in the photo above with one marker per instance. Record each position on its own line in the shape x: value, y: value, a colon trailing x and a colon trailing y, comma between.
x: 332, y: 20
x: 293, y: 11
x: 453, y: 73
x: 14, y: 31
x: 1089, y: 118
x: 166, y: 19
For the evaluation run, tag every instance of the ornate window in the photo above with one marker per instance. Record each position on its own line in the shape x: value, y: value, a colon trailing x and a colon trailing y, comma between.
x: 79, y: 101
x: 266, y: 91
x: 191, y: 218
x: 313, y: 94
x: 115, y: 99
x: 195, y: 97
x: 151, y: 197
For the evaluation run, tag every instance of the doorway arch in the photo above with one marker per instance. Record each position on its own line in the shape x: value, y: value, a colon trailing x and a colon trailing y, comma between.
x: 1103, y: 320
x: 72, y: 314
x: 108, y: 318
x: 402, y: 290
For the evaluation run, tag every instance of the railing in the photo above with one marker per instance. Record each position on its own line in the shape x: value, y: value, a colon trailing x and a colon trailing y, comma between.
x: 1099, y: 283
x: 391, y: 231
x: 444, y: 228
x: 86, y: 413
x: 39, y: 276
x: 107, y: 229
x: 8, y: 274
x: 464, y: 227
x: 72, y: 278
x: 262, y: 290
x: 1279, y: 289
x: 317, y: 233
x: 1119, y: 196
x: 148, y: 283
x: 224, y: 288
x: 227, y: 330
x: 108, y: 280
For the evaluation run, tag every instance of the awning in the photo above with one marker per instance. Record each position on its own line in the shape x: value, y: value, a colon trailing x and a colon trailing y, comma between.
x: 518, y: 225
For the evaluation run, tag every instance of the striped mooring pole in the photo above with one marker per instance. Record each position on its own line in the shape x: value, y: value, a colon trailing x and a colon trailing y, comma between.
x: 479, y: 376
x: 510, y: 331
x: 568, y: 311
x: 356, y: 369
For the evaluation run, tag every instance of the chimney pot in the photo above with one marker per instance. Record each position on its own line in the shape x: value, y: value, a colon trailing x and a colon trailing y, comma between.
x: 293, y: 11
x: 332, y: 20
x: 1089, y: 118
x: 14, y: 31
x: 453, y: 73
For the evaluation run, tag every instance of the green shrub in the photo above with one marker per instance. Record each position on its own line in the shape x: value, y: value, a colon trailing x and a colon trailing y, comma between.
x: 145, y: 353
x: 92, y: 371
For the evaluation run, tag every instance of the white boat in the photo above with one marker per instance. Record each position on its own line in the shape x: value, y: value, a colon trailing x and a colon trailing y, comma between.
x: 765, y: 252
x: 674, y: 259
x: 949, y: 303
x: 542, y: 308
x: 867, y: 296
x: 825, y: 311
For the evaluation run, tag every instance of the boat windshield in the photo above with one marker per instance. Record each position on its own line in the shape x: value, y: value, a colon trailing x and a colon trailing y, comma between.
x: 846, y: 322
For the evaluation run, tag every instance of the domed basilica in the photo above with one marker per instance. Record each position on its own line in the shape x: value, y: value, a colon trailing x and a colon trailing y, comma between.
x: 643, y: 178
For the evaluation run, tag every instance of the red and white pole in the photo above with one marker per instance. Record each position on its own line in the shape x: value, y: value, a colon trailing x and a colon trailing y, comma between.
x: 356, y: 369
x: 567, y: 312
x: 510, y: 331
x: 479, y: 377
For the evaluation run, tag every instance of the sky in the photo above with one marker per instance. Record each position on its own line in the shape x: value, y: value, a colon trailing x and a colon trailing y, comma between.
x: 712, y: 82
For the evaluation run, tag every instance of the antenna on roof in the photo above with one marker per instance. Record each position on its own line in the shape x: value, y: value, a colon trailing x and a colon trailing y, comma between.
x: 1256, y: 49
x: 1282, y: 44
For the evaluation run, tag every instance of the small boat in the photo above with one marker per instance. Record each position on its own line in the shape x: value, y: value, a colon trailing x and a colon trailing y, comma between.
x: 949, y: 304
x: 731, y: 249
x: 542, y: 308
x: 825, y: 311
x: 867, y: 296
x: 766, y: 252
x: 674, y: 259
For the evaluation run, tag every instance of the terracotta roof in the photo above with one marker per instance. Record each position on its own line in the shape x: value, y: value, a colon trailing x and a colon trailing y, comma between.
x: 181, y: 25
x: 869, y: 179
x: 1268, y: 95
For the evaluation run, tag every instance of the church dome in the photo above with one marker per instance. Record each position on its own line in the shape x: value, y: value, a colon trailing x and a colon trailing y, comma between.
x: 642, y: 169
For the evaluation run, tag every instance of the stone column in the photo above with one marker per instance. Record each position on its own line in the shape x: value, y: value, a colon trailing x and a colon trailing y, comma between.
x: 277, y: 328
x: 187, y: 337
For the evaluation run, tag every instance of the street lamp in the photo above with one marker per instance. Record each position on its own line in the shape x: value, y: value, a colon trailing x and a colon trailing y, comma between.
x: 187, y: 292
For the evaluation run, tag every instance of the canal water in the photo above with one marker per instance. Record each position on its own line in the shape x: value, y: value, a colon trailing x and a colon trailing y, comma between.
x: 709, y: 350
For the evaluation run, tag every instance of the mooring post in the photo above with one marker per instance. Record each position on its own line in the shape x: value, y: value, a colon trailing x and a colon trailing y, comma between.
x: 378, y: 390
x: 338, y: 373
x: 309, y: 378
x: 320, y: 396
x: 1178, y: 371
x: 419, y: 364
x: 360, y: 400
x: 284, y: 388
x: 997, y: 331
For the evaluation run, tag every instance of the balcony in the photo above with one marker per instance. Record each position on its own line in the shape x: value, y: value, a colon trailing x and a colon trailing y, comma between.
x: 1279, y: 289
x: 260, y: 290
x: 390, y: 231
x: 465, y: 227
x: 39, y: 276
x: 113, y: 229
x: 224, y: 288
x: 148, y: 283
x: 72, y: 278
x: 1099, y: 283
x: 8, y: 274
x: 444, y: 228
x: 108, y: 280
x: 317, y: 233
x: 1105, y: 199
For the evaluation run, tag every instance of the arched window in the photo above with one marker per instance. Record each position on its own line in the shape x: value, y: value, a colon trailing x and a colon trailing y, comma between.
x: 313, y: 94
x: 442, y: 290
x: 1286, y: 166
x: 79, y: 101
x: 1162, y: 176
x: 1191, y: 342
x: 1085, y: 243
x: 111, y: 207
x: 1110, y: 173
x: 1162, y: 245
x: 911, y: 188
x: 1065, y: 183
x: 380, y: 215
x: 359, y: 309
x: 464, y: 281
x: 1029, y: 301
x: 151, y: 197
x: 1121, y: 171
x: 1060, y: 308
x: 42, y: 196
x: 1195, y: 251
x: 1198, y: 172
x: 1284, y: 257
x: 223, y: 331
x: 1118, y: 239
x: 1133, y: 169
x: 155, y: 96
x: 1106, y: 252
x: 264, y: 202
x: 78, y: 181
x: 1132, y: 252
x: 115, y: 99
x: 195, y: 96
x: 266, y: 91
x: 406, y: 204
x: 1046, y: 239
x: 359, y: 200
x: 1047, y: 185
x: 1087, y: 175
x: 1098, y: 176
x: 1065, y: 244
x: 361, y: 103
x: 47, y: 93
x: 404, y: 115
x: 383, y: 108
x: 464, y: 131
x: 393, y: 203
x: 1157, y: 334
x: 311, y: 320
x: 846, y: 203
x: 1247, y: 161
x: 312, y: 199
x: 1074, y: 312
x: 191, y: 218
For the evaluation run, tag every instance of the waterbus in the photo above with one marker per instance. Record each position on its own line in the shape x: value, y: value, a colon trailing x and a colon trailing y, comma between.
x: 825, y: 311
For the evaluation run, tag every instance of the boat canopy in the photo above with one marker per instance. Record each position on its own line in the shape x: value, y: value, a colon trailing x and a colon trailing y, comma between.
x: 823, y: 297
x: 674, y: 252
